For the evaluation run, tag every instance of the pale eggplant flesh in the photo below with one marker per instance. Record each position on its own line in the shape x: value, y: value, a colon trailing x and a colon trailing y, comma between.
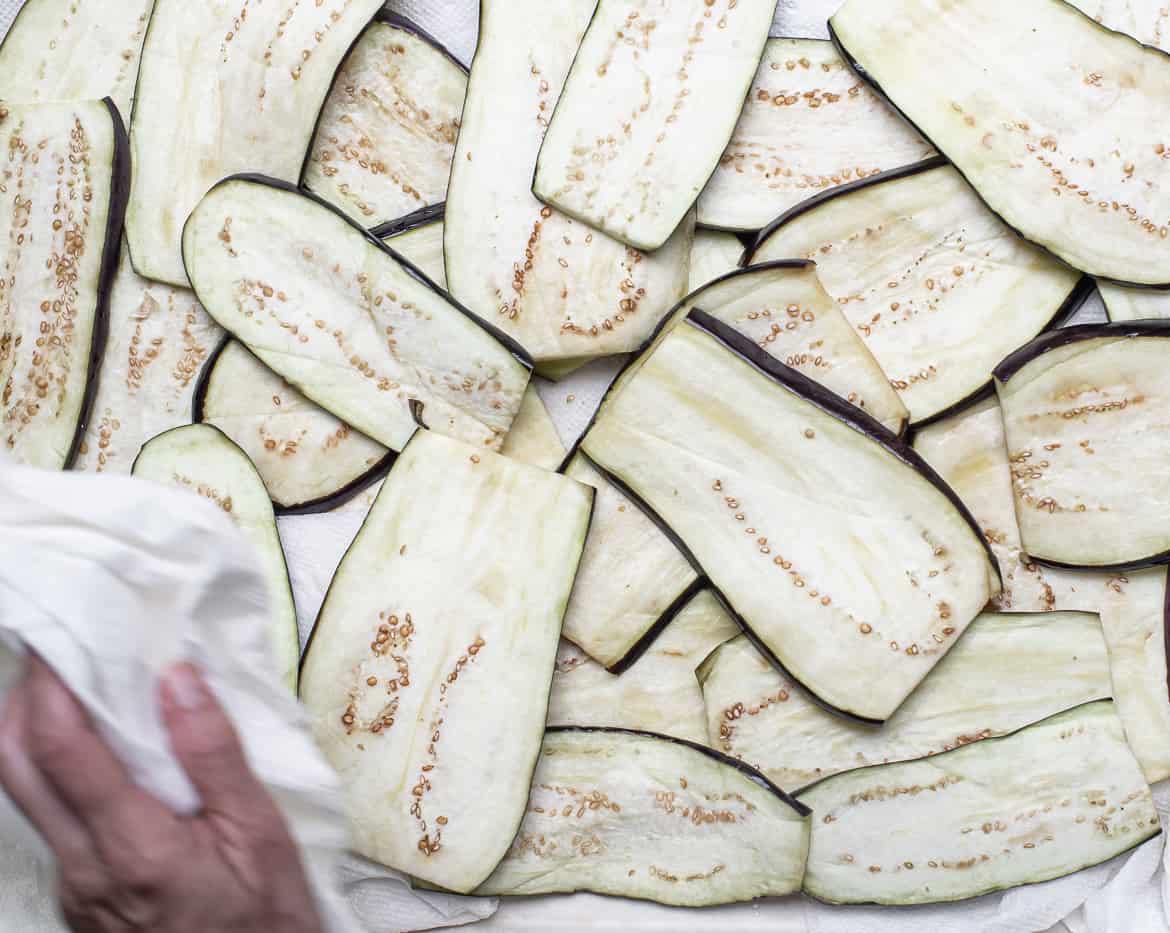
x: 713, y: 254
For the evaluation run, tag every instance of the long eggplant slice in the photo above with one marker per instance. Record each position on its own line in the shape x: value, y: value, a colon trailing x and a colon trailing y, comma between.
x: 653, y: 818
x: 809, y: 125
x: 419, y: 238
x: 1134, y: 304
x: 658, y: 693
x: 566, y: 292
x: 387, y: 134
x: 969, y: 451
x: 200, y: 458
x: 937, y: 287
x: 1085, y: 413
x: 796, y: 504
x: 427, y: 675
x: 63, y: 187
x: 1135, y: 619
x: 534, y: 438
x: 220, y: 91
x: 713, y: 254
x: 1008, y: 671
x: 1049, y: 800
x: 59, y: 50
x: 1068, y: 161
x: 648, y: 107
x: 344, y: 320
x: 632, y: 581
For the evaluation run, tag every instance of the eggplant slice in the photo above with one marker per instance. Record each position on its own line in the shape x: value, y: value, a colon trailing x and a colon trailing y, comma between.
x: 534, y: 438
x: 65, y: 185
x: 796, y: 504
x: 1049, y: 800
x: 658, y: 693
x: 809, y: 125
x: 59, y: 50
x: 1134, y: 304
x: 1145, y: 20
x: 937, y: 287
x: 566, y: 292
x: 387, y: 134
x: 419, y: 239
x: 969, y: 451
x: 199, y: 458
x: 1135, y: 619
x: 346, y: 321
x: 221, y: 92
x: 644, y: 816
x: 1085, y: 413
x: 1008, y: 671
x: 427, y: 675
x: 647, y: 109
x: 1071, y: 163
x: 713, y: 254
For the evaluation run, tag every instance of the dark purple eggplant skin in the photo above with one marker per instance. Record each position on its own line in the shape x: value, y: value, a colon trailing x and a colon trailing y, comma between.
x: 704, y: 750
x: 643, y: 644
x: 412, y: 221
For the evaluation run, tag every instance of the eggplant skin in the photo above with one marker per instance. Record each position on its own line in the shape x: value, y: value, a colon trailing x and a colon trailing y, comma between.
x: 411, y: 221
x: 1063, y: 337
x: 643, y: 644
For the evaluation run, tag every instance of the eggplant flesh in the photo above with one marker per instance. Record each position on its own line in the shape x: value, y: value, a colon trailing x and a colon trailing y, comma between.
x: 1008, y: 671
x: 659, y: 692
x: 647, y: 109
x: 1145, y: 20
x: 201, y: 459
x: 1067, y: 163
x: 809, y: 125
x: 713, y: 254
x: 60, y: 221
x: 936, y: 286
x: 771, y: 483
x: 422, y: 245
x: 564, y: 291
x: 427, y: 676
x: 386, y: 138
x: 1134, y: 304
x: 533, y: 437
x: 649, y: 817
x: 219, y: 92
x: 1044, y: 802
x: 346, y: 321
x: 1084, y: 413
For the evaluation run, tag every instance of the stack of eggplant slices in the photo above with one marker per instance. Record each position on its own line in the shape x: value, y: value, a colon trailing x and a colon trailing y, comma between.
x: 855, y: 584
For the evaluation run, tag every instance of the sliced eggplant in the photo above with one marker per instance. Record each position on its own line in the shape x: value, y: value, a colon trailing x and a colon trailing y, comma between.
x: 419, y: 238
x: 809, y: 125
x: 1044, y: 802
x: 1085, y: 417
x: 969, y: 451
x: 1008, y: 671
x: 57, y: 50
x: 1134, y: 304
x: 534, y: 438
x: 387, y: 134
x: 659, y: 692
x: 653, y: 818
x: 647, y: 109
x: 1145, y: 20
x: 427, y: 675
x: 1135, y: 618
x: 346, y: 321
x: 566, y: 292
x: 796, y: 504
x: 222, y: 91
x: 1071, y: 163
x: 713, y: 254
x: 632, y: 581
x: 202, y: 459
x: 937, y: 287
x: 62, y: 199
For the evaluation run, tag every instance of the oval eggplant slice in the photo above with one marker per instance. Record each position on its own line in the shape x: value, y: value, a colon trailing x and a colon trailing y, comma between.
x: 60, y: 222
x: 346, y: 321
x: 809, y: 124
x: 419, y: 238
x: 218, y: 93
x: 796, y: 504
x: 1134, y: 304
x: 202, y: 459
x: 1085, y: 416
x: 937, y: 287
x: 1008, y: 671
x: 427, y: 675
x: 653, y: 818
x: 969, y: 451
x: 659, y: 692
x: 1049, y: 800
x: 713, y: 254
x: 386, y: 137
x: 648, y: 107
x: 1071, y: 163
x: 58, y: 50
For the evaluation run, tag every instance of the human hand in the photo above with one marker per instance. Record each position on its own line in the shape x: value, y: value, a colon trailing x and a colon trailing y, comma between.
x: 126, y: 861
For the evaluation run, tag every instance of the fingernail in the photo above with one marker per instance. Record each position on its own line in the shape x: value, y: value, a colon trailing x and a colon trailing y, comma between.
x: 186, y: 687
